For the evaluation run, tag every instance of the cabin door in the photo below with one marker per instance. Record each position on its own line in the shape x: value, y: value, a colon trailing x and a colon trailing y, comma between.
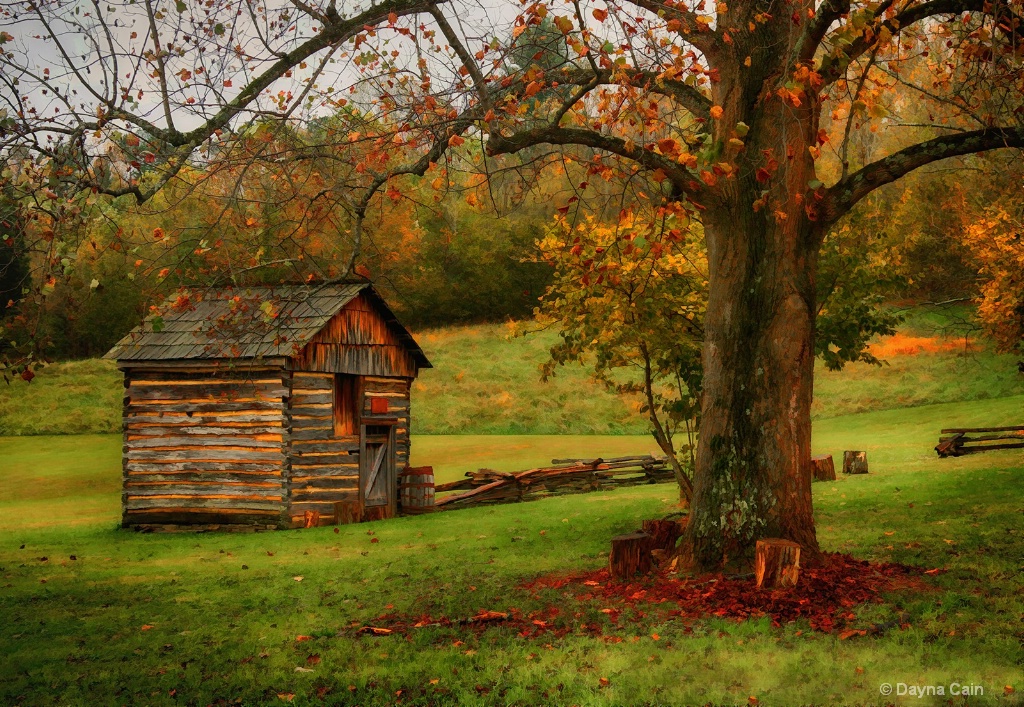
x: 378, y: 481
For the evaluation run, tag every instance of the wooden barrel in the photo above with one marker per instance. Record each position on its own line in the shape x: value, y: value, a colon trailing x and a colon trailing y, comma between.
x: 416, y: 489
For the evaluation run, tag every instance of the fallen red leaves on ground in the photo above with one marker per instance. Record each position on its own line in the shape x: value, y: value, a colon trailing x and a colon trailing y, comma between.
x: 823, y: 597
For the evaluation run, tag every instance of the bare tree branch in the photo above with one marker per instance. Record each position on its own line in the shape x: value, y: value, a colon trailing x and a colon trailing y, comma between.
x: 842, y: 197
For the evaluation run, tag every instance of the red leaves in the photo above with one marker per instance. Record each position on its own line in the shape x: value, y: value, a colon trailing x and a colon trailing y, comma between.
x: 668, y: 146
x: 762, y: 175
x: 822, y: 597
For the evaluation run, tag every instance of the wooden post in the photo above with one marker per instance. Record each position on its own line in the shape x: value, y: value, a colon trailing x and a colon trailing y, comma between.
x: 311, y: 519
x: 664, y: 534
x: 824, y: 467
x: 950, y: 446
x: 630, y: 555
x: 346, y: 512
x: 855, y: 462
x: 777, y: 563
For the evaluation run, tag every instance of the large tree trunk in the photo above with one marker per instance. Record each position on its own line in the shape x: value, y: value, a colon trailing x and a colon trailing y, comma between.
x: 753, y: 475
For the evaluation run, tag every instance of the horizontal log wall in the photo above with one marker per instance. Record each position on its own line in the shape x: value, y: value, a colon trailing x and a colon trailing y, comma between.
x: 204, y: 446
x: 322, y: 469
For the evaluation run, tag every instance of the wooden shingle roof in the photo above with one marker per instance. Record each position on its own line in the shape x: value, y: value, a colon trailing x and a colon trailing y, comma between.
x: 247, y: 323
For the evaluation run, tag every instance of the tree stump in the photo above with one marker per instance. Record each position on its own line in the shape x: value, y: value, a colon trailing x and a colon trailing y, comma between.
x: 855, y: 462
x: 777, y: 563
x: 664, y: 534
x: 824, y: 467
x: 311, y: 519
x: 630, y: 555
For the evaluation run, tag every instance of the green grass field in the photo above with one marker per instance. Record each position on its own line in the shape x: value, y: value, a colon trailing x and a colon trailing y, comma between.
x: 484, y: 383
x: 117, y: 617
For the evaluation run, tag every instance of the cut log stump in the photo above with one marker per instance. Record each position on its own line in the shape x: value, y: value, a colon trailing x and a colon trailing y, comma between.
x: 855, y: 462
x: 630, y: 555
x: 311, y: 519
x: 824, y: 467
x: 664, y: 534
x: 346, y: 512
x: 777, y: 563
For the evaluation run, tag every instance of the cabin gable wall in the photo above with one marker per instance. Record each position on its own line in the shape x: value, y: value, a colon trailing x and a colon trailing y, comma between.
x: 204, y: 445
x: 358, y: 340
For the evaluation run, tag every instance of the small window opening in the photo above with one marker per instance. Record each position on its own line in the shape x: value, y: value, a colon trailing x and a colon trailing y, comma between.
x: 346, y: 405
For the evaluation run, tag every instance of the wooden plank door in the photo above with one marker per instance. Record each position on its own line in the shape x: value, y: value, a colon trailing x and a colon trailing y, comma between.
x: 378, y: 483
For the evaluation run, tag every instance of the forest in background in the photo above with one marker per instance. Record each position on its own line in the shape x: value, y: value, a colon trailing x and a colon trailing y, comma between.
x: 467, y: 254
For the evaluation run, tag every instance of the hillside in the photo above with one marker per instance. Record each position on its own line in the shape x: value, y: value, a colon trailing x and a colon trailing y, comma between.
x: 485, y: 383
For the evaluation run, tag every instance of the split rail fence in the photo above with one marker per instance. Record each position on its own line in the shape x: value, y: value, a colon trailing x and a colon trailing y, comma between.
x: 564, y: 476
x: 957, y: 441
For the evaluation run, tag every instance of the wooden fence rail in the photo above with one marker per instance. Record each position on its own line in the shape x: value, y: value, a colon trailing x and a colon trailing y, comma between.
x: 956, y: 441
x: 565, y: 476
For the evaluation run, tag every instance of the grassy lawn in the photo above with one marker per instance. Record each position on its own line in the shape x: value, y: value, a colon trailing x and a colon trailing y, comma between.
x: 215, y: 618
x: 486, y: 384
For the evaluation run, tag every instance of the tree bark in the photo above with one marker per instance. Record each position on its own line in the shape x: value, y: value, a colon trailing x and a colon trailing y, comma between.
x: 753, y: 475
x: 630, y: 555
x: 777, y: 564
x: 664, y: 534
x: 824, y: 468
x: 855, y: 462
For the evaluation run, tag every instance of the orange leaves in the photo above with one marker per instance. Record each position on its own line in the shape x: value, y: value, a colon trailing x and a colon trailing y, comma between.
x: 533, y: 88
x: 668, y: 146
x: 600, y: 15
x: 687, y: 160
x: 716, y: 112
x: 790, y: 97
x: 851, y: 632
x: 456, y: 141
x: 564, y: 24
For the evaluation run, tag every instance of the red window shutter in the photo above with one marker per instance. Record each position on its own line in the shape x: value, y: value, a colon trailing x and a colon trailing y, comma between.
x: 378, y: 406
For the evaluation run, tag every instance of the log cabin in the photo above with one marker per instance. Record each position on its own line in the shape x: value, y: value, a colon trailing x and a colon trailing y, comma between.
x: 266, y: 407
